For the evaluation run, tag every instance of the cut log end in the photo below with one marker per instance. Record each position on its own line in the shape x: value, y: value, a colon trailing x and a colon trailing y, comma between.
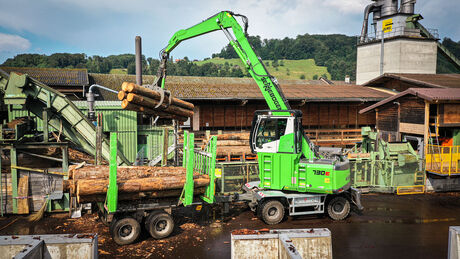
x: 121, y: 95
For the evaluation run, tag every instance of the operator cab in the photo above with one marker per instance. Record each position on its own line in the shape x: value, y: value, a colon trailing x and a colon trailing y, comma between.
x: 277, y: 132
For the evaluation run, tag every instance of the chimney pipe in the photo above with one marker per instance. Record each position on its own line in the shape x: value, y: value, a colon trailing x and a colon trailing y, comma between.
x: 369, y: 8
x: 407, y: 6
x: 138, y: 60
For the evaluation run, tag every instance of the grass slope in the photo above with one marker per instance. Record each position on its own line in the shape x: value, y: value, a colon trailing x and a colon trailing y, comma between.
x: 123, y: 71
x: 292, y: 69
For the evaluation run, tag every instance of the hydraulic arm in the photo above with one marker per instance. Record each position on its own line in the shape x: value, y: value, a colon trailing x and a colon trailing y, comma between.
x: 223, y: 21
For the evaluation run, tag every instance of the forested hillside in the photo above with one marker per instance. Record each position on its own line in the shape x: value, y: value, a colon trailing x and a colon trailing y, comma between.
x: 335, y: 52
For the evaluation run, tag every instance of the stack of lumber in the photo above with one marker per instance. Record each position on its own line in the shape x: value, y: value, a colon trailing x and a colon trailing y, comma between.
x: 89, y: 183
x: 232, y: 144
x: 33, y: 187
x: 141, y: 99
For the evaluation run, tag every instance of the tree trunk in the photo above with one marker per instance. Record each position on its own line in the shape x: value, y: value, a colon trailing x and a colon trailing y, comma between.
x: 233, y: 136
x: 133, y: 88
x: 151, y: 104
x: 95, y: 186
x: 124, y: 172
x: 134, y: 107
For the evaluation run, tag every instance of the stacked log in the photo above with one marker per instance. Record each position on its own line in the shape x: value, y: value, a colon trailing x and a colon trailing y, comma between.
x: 89, y: 183
x: 141, y: 99
x: 232, y: 144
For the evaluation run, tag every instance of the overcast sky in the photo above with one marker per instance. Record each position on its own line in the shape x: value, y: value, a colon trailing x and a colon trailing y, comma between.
x: 105, y: 27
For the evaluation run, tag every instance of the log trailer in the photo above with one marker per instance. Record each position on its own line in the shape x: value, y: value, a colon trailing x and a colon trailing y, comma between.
x: 128, y: 218
x: 293, y: 176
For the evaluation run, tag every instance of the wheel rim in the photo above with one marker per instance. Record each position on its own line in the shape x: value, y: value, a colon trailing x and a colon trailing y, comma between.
x: 273, y: 212
x: 338, y: 207
x: 126, y: 232
x: 161, y: 225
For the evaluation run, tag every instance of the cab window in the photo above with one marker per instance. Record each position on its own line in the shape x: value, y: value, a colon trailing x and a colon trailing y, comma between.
x: 270, y: 130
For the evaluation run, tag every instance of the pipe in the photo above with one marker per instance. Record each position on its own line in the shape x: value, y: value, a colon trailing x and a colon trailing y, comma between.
x: 138, y: 43
x: 91, y: 100
x: 407, y: 6
x: 369, y: 8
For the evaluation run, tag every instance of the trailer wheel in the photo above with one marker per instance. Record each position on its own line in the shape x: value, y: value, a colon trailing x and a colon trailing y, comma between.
x: 159, y: 225
x: 272, y: 212
x: 338, y: 208
x: 125, y: 231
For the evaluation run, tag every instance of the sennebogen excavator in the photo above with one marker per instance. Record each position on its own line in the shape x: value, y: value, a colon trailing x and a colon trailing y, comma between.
x: 293, y: 176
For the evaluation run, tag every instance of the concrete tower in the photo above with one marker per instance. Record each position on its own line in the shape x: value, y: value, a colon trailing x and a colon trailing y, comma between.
x: 397, y: 44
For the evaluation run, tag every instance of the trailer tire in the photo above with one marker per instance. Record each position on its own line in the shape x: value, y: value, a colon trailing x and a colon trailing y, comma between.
x: 159, y: 225
x: 125, y: 231
x: 338, y: 208
x: 272, y: 212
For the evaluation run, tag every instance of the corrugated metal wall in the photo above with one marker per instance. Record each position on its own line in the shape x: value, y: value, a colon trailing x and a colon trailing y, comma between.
x: 154, y: 137
x: 117, y: 120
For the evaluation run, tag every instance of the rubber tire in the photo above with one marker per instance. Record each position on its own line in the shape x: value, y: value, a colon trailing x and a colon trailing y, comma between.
x: 338, y: 208
x: 159, y: 225
x: 268, y: 208
x: 125, y: 224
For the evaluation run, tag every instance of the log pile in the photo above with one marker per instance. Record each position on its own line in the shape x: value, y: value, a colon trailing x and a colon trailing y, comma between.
x: 89, y: 183
x: 232, y: 144
x: 141, y: 99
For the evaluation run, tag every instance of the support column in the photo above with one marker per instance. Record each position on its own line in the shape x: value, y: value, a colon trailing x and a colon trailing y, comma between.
x: 14, y: 178
x: 45, y: 125
x: 196, y: 118
x: 164, y: 161
x: 138, y: 60
x: 426, y: 133
x: 65, y: 161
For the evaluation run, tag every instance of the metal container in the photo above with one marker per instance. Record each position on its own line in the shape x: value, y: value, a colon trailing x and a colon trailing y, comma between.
x: 407, y: 6
x: 389, y: 7
x: 49, y: 246
x: 282, y: 243
x: 454, y: 242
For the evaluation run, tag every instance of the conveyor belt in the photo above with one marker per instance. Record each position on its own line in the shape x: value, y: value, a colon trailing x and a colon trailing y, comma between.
x: 444, y: 51
x: 63, y: 114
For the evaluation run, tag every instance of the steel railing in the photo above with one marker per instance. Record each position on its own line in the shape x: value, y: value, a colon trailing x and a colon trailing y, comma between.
x: 397, y: 31
x: 443, y: 160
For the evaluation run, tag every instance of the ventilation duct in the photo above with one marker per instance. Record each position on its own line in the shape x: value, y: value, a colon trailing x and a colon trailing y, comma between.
x: 369, y: 8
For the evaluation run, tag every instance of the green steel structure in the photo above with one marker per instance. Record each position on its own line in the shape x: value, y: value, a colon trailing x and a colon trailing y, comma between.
x: 386, y: 167
x: 55, y: 110
x: 125, y: 217
x: 112, y: 190
x: 132, y: 138
x: 288, y: 162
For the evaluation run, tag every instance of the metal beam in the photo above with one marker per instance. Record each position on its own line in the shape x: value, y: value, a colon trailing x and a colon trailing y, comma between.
x: 14, y: 178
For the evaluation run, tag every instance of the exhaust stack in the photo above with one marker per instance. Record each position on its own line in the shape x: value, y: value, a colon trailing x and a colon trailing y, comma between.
x: 407, y: 6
